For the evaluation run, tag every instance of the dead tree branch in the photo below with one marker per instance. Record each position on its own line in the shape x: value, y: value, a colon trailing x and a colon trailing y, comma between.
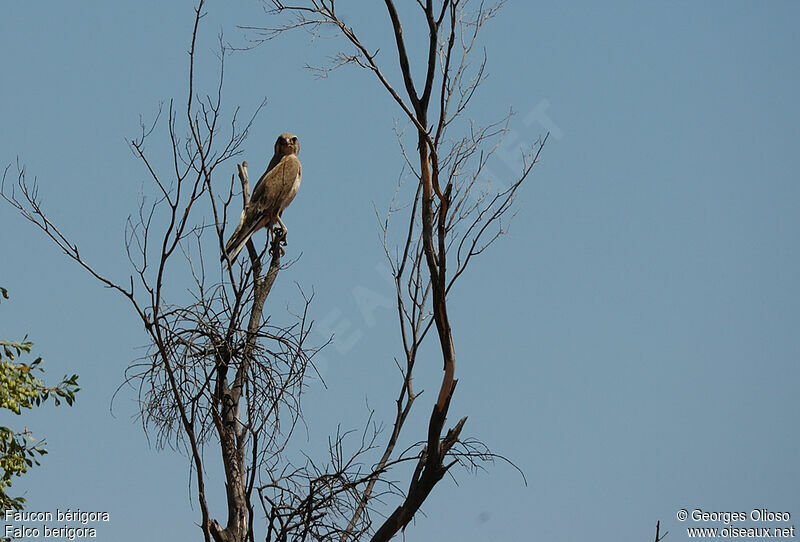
x: 217, y: 371
x: 452, y: 216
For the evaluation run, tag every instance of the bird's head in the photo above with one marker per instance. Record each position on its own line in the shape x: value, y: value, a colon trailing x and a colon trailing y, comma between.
x: 287, y: 144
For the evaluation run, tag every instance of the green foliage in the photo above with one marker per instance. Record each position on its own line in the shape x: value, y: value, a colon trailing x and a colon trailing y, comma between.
x: 21, y: 389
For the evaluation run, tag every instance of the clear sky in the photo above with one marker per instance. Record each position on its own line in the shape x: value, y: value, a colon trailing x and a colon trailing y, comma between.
x: 632, y: 344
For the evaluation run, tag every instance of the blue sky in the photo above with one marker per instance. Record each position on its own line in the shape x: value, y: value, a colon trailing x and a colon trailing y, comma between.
x: 631, y: 344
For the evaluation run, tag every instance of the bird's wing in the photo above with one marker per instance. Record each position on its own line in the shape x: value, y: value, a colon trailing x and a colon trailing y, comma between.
x: 273, y: 192
x: 278, y: 186
x: 290, y: 181
x: 273, y: 162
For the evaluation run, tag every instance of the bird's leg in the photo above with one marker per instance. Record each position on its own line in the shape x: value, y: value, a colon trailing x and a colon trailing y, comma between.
x: 281, y: 231
x: 276, y: 249
x: 278, y: 236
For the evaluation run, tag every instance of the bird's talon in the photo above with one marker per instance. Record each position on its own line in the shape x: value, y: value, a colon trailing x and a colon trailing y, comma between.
x: 280, y: 251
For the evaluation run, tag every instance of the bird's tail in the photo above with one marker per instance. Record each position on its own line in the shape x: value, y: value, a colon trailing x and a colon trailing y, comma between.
x: 244, y: 231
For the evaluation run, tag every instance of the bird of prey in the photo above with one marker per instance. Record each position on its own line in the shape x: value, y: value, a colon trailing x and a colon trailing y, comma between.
x: 273, y: 192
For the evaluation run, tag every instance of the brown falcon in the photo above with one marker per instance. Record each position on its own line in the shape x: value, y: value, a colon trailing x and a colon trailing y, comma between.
x: 274, y: 191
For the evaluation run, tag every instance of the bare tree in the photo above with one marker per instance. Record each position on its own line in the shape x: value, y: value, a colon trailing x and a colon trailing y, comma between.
x: 219, y: 372
x: 454, y: 215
